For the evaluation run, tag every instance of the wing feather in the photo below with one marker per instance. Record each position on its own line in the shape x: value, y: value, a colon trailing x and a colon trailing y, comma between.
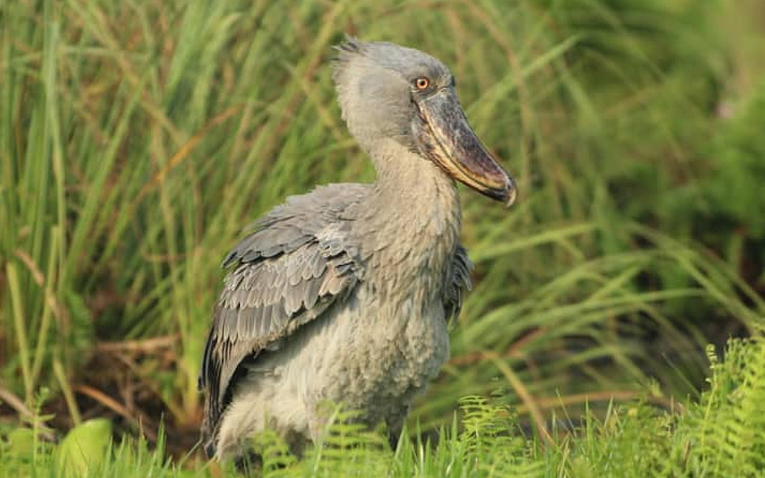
x: 285, y: 274
x: 458, y: 283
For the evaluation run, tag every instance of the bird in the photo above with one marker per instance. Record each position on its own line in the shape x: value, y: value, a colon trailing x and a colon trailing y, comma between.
x: 344, y: 294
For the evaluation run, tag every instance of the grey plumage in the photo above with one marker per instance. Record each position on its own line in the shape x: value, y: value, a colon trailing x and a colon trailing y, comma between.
x: 287, y: 273
x: 342, y: 294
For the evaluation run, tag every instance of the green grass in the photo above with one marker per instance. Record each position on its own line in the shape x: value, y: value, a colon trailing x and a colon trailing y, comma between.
x: 138, y: 139
x: 721, y: 435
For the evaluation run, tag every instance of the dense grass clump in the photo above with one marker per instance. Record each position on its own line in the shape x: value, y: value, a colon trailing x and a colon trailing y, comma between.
x: 721, y: 435
x: 138, y: 139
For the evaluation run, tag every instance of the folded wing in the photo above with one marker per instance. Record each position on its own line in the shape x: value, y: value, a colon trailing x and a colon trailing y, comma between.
x: 296, y: 265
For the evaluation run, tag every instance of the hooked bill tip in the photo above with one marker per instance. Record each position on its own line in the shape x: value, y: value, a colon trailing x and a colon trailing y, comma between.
x: 512, y: 193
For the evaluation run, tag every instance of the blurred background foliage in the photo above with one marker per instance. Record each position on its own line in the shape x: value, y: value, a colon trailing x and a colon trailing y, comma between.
x: 139, y: 138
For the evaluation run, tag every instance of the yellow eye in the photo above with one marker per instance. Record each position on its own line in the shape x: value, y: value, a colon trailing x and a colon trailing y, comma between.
x: 421, y: 83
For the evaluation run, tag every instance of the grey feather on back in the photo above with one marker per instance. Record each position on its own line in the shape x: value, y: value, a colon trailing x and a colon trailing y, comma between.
x: 294, y: 266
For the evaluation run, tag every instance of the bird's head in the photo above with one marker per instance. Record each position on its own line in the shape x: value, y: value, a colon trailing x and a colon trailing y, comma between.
x: 391, y: 92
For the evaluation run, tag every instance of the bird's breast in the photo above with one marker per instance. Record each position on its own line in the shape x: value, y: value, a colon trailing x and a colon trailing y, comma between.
x: 373, y: 359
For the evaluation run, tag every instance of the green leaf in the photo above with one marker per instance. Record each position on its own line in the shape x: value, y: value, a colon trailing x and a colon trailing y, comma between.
x: 21, y: 442
x: 84, y: 448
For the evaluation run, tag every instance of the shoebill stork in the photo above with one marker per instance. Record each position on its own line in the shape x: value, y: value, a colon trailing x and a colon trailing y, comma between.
x: 343, y: 294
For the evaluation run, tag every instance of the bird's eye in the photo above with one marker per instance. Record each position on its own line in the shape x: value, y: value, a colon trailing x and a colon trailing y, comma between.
x: 421, y: 83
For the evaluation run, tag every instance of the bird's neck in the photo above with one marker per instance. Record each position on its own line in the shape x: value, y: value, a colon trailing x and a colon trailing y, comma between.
x: 413, y: 220
x: 411, y: 190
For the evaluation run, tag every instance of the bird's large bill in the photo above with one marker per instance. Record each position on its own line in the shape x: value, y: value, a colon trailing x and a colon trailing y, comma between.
x: 446, y: 138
